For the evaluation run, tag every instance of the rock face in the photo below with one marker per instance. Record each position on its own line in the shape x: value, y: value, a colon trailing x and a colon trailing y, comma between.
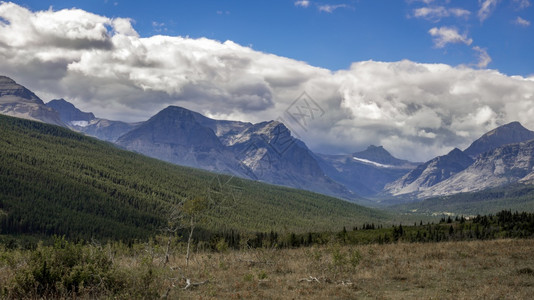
x: 17, y: 101
x: 365, y: 172
x: 274, y: 156
x: 487, y: 163
x: 507, y: 134
x: 87, y: 123
x: 265, y: 151
x: 174, y: 135
x: 505, y: 165
x: 430, y: 173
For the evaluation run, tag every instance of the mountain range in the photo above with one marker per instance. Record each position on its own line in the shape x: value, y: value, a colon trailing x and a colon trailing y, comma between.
x: 501, y: 156
x: 267, y: 152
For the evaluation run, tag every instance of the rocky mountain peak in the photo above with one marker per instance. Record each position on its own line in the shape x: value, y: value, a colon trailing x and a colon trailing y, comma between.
x: 509, y: 133
x: 8, y: 87
x: 68, y: 112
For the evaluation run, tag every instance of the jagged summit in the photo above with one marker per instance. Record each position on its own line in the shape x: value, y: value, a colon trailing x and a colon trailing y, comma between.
x: 509, y: 133
x: 430, y: 173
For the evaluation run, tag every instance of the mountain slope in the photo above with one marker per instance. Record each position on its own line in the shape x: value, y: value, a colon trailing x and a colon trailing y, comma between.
x: 87, y: 123
x: 68, y: 112
x: 515, y: 197
x: 55, y: 181
x: 18, y: 101
x: 265, y: 151
x: 174, y: 135
x: 381, y: 156
x: 430, y: 173
x: 502, y: 166
x: 365, y: 172
x: 510, y: 133
x: 274, y: 156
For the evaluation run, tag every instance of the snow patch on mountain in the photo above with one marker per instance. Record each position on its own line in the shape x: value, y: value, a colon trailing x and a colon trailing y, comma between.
x: 372, y: 163
x: 79, y: 123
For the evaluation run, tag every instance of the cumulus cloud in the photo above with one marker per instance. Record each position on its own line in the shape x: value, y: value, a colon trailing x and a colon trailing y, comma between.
x: 486, y: 8
x: 448, y: 35
x: 522, y: 22
x: 302, y: 3
x: 102, y: 65
x: 438, y: 12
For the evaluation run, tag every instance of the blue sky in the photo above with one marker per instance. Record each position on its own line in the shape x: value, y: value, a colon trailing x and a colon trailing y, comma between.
x: 322, y: 35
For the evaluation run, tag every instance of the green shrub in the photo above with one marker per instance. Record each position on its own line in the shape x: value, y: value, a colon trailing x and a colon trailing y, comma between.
x: 65, y: 269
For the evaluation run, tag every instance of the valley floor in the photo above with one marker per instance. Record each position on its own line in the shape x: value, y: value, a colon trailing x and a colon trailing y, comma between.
x: 496, y: 269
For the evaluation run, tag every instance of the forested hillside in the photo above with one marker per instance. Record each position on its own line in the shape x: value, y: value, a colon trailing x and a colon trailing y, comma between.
x: 55, y: 181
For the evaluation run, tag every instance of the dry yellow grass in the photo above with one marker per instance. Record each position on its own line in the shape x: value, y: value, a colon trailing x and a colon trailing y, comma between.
x: 499, y: 269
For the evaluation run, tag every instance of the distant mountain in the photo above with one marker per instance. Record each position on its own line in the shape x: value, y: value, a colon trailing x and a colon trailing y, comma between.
x: 87, y: 123
x: 379, y: 155
x: 506, y: 134
x: 365, y: 172
x: 174, y: 135
x: 461, y: 171
x: 502, y: 166
x: 430, y: 173
x: 274, y: 156
x: 264, y: 151
x: 18, y: 101
x: 69, y: 113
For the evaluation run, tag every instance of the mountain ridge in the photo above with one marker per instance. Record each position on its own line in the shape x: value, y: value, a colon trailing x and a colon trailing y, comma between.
x: 18, y: 101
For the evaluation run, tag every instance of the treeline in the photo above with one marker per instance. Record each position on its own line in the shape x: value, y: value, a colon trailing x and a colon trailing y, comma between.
x: 505, y: 224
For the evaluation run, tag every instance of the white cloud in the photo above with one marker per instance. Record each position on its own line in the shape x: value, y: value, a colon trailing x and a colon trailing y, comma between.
x: 459, y: 12
x: 448, y: 35
x: 438, y: 12
x: 330, y: 8
x: 522, y: 4
x: 415, y: 110
x: 483, y: 57
x: 486, y: 8
x: 302, y: 3
x: 522, y: 22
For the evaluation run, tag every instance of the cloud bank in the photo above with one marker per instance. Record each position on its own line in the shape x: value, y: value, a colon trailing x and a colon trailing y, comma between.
x: 102, y: 65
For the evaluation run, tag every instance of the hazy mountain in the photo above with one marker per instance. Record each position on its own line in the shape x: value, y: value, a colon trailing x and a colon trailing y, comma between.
x: 18, y: 101
x: 505, y: 165
x: 451, y: 173
x: 69, y: 113
x: 274, y: 156
x: 378, y: 155
x: 174, y: 135
x: 429, y: 173
x: 506, y: 134
x: 87, y: 123
x: 365, y: 172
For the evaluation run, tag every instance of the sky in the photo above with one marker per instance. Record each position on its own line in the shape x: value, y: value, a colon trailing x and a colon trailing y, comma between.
x: 419, y: 77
